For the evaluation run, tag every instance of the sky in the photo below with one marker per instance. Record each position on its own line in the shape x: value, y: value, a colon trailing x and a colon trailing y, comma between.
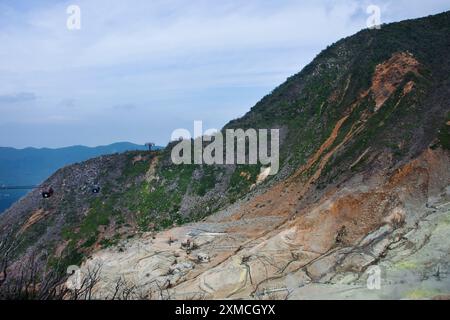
x: 137, y: 70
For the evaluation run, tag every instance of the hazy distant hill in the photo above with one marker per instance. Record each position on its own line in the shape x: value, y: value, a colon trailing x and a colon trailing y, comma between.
x: 31, y: 166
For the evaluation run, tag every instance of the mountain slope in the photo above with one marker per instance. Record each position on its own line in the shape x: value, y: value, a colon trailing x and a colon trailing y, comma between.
x: 31, y: 166
x: 364, y: 156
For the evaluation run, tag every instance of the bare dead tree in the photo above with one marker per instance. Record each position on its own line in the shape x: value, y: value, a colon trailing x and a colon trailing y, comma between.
x: 29, y: 282
x: 150, y: 145
x: 117, y: 289
x: 123, y: 290
x: 31, y: 279
x: 126, y: 290
x: 8, y: 244
x: 163, y: 289
x: 85, y: 290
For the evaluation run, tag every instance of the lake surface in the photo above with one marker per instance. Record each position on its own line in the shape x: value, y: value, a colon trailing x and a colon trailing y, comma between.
x: 8, y: 197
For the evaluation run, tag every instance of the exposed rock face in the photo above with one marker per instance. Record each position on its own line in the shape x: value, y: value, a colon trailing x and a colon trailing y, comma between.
x: 274, y: 255
x: 390, y: 74
x: 290, y: 239
x: 363, y: 161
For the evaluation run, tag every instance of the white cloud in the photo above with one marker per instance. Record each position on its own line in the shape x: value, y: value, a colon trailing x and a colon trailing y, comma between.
x: 184, y: 56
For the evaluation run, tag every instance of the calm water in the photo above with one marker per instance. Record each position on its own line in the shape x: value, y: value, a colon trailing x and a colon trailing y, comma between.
x: 8, y: 197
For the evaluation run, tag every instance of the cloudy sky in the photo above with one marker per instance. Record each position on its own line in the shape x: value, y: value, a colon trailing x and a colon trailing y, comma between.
x: 138, y: 69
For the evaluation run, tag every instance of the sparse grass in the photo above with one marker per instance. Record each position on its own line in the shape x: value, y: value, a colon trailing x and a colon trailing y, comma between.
x: 406, y: 265
x: 109, y: 242
x: 137, y: 168
x: 242, y: 178
x: 158, y: 203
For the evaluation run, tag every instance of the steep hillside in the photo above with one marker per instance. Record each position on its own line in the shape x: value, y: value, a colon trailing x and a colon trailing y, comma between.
x: 363, y: 180
x: 139, y: 191
x: 31, y: 166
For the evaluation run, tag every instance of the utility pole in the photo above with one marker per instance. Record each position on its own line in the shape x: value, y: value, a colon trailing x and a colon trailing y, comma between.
x: 150, y: 145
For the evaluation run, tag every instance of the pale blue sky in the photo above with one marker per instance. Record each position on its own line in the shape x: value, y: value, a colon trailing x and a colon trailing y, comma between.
x: 139, y: 69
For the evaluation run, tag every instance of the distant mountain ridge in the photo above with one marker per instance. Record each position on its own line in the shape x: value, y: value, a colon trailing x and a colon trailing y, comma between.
x: 31, y: 166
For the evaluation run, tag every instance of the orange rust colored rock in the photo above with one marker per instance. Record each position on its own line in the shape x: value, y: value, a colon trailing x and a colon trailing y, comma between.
x: 408, y: 87
x: 389, y: 74
x: 33, y: 219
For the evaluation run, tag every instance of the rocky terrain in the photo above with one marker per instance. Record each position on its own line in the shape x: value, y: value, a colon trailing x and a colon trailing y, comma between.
x: 363, y: 187
x: 238, y: 253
